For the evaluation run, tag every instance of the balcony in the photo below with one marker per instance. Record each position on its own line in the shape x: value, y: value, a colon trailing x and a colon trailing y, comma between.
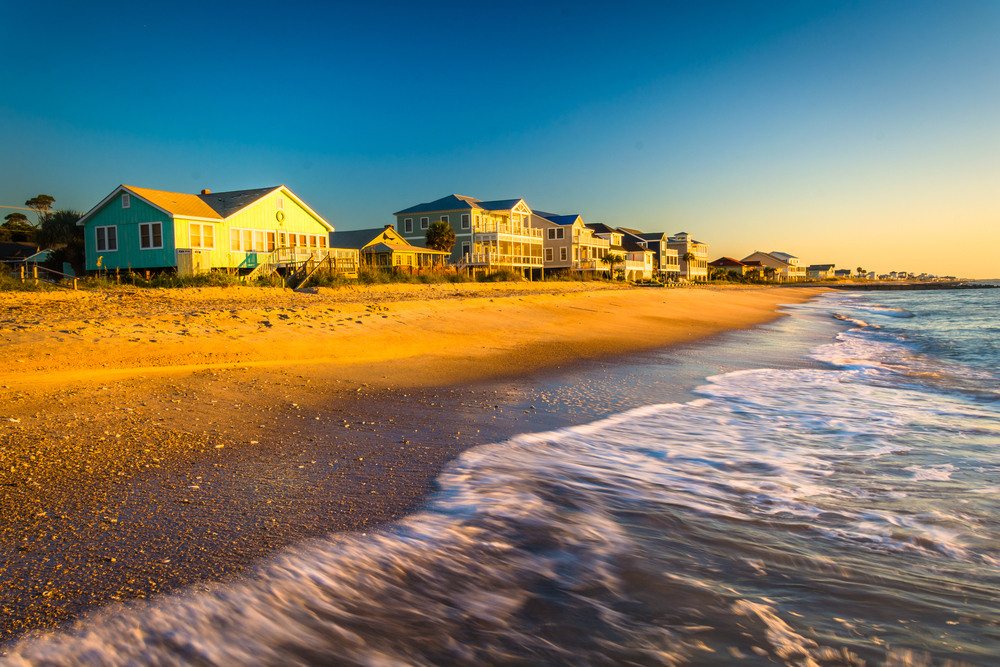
x: 507, y: 229
x: 497, y: 259
x: 588, y: 265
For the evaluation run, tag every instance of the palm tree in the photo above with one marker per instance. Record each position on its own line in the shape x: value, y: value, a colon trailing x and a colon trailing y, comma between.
x: 861, y: 272
x: 610, y: 260
x: 770, y: 272
x: 688, y: 257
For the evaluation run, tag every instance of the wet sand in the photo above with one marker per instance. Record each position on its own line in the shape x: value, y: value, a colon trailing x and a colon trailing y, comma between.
x: 151, y: 441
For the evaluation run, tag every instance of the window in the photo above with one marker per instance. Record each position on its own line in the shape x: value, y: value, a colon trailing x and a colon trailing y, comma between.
x: 444, y: 218
x: 126, y: 201
x: 548, y: 253
x: 271, y: 241
x: 560, y: 233
x: 576, y: 254
x: 202, y: 236
x: 282, y: 240
x: 150, y: 235
x: 552, y: 233
x: 423, y: 223
x: 465, y: 221
x: 258, y: 241
x: 302, y: 241
x: 322, y: 241
x: 107, y: 239
x: 465, y: 248
x: 408, y: 225
x: 280, y: 203
x: 562, y: 254
x: 234, y: 240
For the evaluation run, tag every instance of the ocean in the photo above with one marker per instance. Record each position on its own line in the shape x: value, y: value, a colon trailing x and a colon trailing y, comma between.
x: 842, y: 510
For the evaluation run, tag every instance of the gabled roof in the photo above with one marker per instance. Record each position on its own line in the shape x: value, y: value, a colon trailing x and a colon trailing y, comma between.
x: 357, y: 239
x: 821, y: 267
x: 727, y: 261
x: 632, y: 246
x: 783, y: 256
x: 601, y: 228
x: 175, y: 203
x: 397, y: 247
x: 211, y: 206
x: 230, y: 203
x: 653, y: 236
x: 634, y: 232
x: 460, y: 202
x: 562, y: 219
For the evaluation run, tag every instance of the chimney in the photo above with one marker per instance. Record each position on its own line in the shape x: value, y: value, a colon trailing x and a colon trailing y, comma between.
x: 206, y: 192
x: 390, y: 226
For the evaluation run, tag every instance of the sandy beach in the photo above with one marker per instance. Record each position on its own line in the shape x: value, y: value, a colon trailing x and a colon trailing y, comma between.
x: 158, y: 439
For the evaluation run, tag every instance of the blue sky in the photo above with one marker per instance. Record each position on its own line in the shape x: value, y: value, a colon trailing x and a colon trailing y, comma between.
x: 857, y: 133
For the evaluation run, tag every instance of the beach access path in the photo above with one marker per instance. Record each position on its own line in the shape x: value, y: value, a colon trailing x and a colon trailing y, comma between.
x: 152, y: 440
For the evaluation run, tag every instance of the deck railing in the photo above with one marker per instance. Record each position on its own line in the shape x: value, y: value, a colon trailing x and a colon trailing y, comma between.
x: 497, y: 259
x: 507, y: 228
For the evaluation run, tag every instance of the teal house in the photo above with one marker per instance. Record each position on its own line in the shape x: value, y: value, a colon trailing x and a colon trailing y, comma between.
x: 138, y: 228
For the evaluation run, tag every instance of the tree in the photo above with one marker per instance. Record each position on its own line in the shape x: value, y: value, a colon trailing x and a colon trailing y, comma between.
x: 688, y: 257
x: 610, y: 260
x: 17, y: 228
x: 440, y: 236
x: 59, y: 228
x: 861, y: 272
x: 770, y: 272
x: 41, y: 205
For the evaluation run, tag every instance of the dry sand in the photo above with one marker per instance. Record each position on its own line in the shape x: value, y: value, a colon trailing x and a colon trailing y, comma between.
x: 154, y: 439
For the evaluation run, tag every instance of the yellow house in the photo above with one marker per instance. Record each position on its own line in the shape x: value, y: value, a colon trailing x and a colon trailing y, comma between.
x: 386, y: 248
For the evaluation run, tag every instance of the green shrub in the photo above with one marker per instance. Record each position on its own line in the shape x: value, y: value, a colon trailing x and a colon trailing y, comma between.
x: 9, y: 283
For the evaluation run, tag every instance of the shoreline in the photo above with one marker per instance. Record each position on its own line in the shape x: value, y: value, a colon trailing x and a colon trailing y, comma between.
x: 179, y: 475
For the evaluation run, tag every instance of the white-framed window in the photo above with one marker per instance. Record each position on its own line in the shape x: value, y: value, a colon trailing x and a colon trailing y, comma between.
x: 548, y: 253
x: 150, y: 235
x: 424, y: 222
x: 465, y: 248
x: 408, y: 225
x: 552, y: 233
x: 465, y: 221
x: 576, y: 254
x: 202, y: 236
x: 560, y: 233
x: 562, y: 254
x: 280, y: 203
x: 126, y: 201
x: 444, y: 218
x: 107, y: 238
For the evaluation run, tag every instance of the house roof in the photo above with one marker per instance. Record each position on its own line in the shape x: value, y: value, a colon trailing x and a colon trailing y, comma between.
x: 727, y: 261
x: 767, y: 255
x: 17, y: 250
x: 210, y: 206
x: 357, y: 238
x: 783, y: 256
x: 228, y: 203
x: 632, y: 246
x: 634, y: 232
x: 562, y: 219
x: 398, y: 247
x: 821, y: 267
x: 752, y: 262
x: 652, y: 236
x: 601, y: 228
x: 458, y: 202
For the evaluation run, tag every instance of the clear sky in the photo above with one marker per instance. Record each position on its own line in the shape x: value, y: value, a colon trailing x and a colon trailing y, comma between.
x: 860, y: 133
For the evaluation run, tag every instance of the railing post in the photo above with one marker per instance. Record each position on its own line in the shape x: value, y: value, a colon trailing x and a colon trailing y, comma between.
x: 34, y: 273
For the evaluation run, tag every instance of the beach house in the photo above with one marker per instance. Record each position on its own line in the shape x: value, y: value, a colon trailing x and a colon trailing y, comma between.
x: 730, y: 265
x: 568, y: 244
x: 489, y: 234
x: 666, y: 262
x: 821, y: 271
x: 786, y: 267
x: 696, y: 267
x: 139, y: 228
x: 384, y: 247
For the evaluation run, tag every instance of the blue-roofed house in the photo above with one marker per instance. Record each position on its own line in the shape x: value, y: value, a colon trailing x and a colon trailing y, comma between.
x: 569, y: 244
x: 489, y: 234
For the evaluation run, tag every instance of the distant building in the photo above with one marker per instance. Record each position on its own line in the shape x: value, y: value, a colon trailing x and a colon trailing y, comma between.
x: 786, y: 267
x: 821, y: 271
x: 666, y: 262
x: 384, y: 247
x: 843, y: 273
x: 696, y: 268
x: 731, y: 265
